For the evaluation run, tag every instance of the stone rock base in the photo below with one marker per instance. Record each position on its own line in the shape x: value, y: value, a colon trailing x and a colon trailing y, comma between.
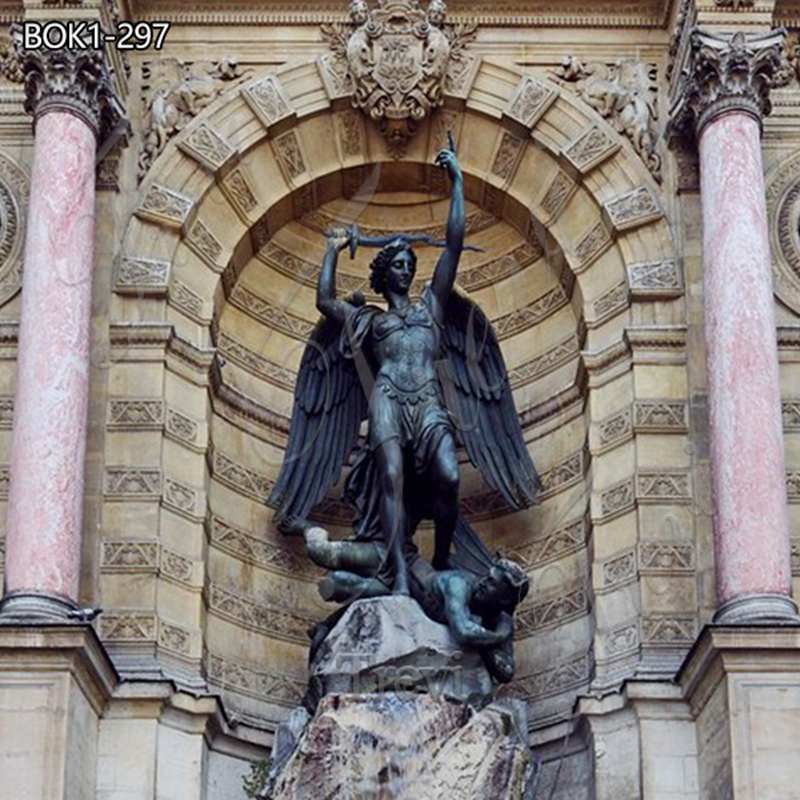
x: 404, y: 746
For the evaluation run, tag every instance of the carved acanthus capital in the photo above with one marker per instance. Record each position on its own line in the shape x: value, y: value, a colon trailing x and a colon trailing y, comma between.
x: 723, y: 73
x: 78, y: 82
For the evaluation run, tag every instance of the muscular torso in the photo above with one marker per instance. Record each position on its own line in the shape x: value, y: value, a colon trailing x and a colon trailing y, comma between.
x: 406, y: 345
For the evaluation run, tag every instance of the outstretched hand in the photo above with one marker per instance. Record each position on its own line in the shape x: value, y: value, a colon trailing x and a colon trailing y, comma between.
x: 338, y: 238
x: 448, y: 160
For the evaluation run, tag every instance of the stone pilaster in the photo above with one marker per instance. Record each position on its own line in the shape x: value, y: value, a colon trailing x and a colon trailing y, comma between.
x: 722, y: 97
x: 69, y: 95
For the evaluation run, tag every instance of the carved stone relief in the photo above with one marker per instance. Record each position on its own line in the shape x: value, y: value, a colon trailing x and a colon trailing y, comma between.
x: 783, y: 213
x: 174, y: 92
x: 624, y: 93
x: 397, y: 60
x: 14, y: 192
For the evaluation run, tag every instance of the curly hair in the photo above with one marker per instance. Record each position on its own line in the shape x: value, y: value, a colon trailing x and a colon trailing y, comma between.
x: 380, y: 264
x: 515, y: 576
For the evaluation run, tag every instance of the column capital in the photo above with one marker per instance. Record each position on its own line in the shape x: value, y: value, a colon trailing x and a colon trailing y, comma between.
x: 78, y: 82
x: 722, y: 73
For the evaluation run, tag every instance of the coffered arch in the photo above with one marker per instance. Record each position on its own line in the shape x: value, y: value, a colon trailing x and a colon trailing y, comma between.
x: 211, y: 254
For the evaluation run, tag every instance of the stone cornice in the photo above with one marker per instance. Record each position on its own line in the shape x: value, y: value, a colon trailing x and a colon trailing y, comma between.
x: 722, y: 73
x: 573, y: 13
x: 78, y: 82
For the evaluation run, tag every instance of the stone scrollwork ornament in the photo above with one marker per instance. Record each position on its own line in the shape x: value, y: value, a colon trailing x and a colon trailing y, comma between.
x: 625, y: 93
x: 724, y: 72
x: 79, y: 82
x: 397, y: 58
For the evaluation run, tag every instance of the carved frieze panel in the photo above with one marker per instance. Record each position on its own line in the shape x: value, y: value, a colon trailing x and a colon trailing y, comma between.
x: 608, y: 305
x: 626, y: 94
x: 589, y: 150
x: 663, y: 487
x: 182, y: 428
x: 128, y: 626
x: 289, y: 152
x: 205, y: 244
x: 280, y: 688
x: 499, y: 269
x: 615, y: 429
x: 570, y: 674
x: 268, y: 100
x: 618, y: 571
x: 237, y: 188
x: 129, y: 556
x: 591, y: 246
x: 135, y: 414
x: 530, y: 101
x: 557, y: 356
x: 248, y: 612
x: 507, y: 156
x: 6, y: 412
x: 795, y: 544
x: 666, y: 558
x: 174, y: 92
x: 793, y: 486
x: 558, y: 194
x: 655, y: 280
x: 240, y: 478
x: 348, y: 131
x: 164, y: 206
x: 621, y: 641
x: 550, y: 612
x: 14, y: 193
x: 617, y: 499
x: 565, y: 474
x: 662, y: 416
x: 176, y: 567
x: 207, y: 147
x: 632, y: 209
x: 271, y: 556
x: 182, y: 499
x: 668, y: 631
x: 272, y: 316
x: 531, y: 315
x: 188, y: 301
x: 123, y: 483
x: 256, y: 363
x: 174, y: 638
x: 557, y: 545
x: 142, y: 277
x: 791, y: 415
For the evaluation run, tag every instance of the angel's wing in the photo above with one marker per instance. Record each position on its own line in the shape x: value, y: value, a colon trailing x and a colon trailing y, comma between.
x: 329, y: 405
x: 478, y: 395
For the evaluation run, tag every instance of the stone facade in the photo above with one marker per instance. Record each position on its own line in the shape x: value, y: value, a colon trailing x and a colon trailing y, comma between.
x: 244, y: 145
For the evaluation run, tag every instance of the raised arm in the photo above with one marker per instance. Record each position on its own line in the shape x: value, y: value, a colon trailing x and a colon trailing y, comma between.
x: 327, y: 302
x: 445, y: 274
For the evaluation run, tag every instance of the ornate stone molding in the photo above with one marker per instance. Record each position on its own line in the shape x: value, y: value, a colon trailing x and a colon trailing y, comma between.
x: 397, y: 61
x: 723, y: 73
x: 78, y: 82
x: 625, y: 93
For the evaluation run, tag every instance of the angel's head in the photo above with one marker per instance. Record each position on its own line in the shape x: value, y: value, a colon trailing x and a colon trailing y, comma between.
x: 393, y: 269
x: 359, y: 12
x: 504, y: 588
x: 437, y: 11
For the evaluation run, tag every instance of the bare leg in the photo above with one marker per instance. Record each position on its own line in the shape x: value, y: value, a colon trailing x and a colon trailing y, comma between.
x: 361, y: 558
x: 444, y: 473
x: 340, y: 587
x: 389, y: 461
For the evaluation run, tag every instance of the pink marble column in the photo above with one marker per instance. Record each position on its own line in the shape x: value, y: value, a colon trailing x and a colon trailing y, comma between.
x: 69, y: 95
x: 751, y: 523
x: 721, y: 97
x: 46, y: 491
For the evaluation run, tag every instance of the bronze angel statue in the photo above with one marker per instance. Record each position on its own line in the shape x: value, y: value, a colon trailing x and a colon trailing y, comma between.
x: 426, y: 375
